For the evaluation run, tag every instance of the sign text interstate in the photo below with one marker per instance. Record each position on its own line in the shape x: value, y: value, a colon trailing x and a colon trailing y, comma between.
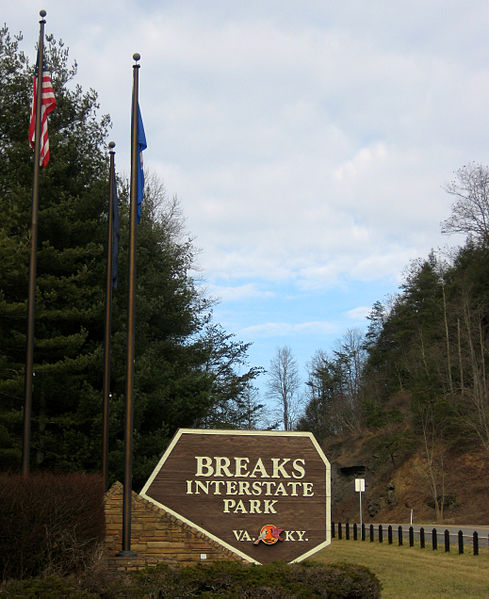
x: 244, y: 483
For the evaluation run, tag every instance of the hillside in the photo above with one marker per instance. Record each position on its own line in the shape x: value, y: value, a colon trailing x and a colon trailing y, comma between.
x: 398, y: 480
x: 406, y: 405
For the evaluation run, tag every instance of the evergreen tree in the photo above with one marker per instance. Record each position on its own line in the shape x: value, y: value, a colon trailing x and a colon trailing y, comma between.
x: 187, y: 370
x: 334, y: 388
x: 69, y: 296
x: 234, y: 404
x: 321, y: 415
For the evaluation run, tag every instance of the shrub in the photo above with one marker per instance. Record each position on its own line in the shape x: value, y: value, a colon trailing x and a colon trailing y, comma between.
x: 49, y: 523
x: 52, y: 586
x: 207, y: 581
x: 234, y: 580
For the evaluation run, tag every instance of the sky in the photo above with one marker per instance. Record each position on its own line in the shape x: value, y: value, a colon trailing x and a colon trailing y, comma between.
x: 309, y: 142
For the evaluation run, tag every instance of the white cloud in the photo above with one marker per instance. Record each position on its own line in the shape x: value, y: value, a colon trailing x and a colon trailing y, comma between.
x: 363, y: 161
x: 359, y: 313
x: 301, y: 147
x: 308, y: 142
x: 238, y: 292
x: 286, y: 329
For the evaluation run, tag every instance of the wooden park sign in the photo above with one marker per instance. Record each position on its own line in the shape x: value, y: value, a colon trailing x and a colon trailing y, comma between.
x: 266, y: 496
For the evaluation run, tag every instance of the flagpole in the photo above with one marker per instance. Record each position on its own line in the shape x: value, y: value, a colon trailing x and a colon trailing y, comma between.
x: 108, y: 319
x: 33, y: 261
x: 128, y: 431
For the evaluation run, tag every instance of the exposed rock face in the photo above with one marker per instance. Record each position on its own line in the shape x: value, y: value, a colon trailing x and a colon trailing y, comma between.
x: 398, y: 484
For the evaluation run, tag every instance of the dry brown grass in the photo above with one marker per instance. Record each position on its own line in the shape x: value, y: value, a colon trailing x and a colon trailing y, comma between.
x: 414, y: 573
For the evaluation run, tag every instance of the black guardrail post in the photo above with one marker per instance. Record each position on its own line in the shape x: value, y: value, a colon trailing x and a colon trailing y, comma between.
x: 447, y: 541
x: 461, y: 542
x: 338, y: 529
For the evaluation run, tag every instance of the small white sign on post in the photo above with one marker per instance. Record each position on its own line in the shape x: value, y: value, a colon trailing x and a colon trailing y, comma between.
x: 360, y: 488
x: 359, y: 485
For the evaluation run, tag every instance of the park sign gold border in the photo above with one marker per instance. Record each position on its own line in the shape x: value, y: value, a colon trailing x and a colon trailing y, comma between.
x: 264, y: 495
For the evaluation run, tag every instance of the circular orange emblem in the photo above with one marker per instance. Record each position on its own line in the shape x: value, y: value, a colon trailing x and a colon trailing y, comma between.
x: 269, y: 534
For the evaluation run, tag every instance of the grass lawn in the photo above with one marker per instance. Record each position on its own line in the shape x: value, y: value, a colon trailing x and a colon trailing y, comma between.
x: 412, y: 572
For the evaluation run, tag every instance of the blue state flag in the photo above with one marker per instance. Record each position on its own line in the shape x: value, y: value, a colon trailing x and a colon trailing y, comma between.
x: 140, y: 173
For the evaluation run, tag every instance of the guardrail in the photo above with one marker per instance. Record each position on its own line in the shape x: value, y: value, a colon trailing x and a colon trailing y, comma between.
x: 379, y: 531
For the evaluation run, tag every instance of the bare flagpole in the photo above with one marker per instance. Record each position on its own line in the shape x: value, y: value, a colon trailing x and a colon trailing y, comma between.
x: 108, y: 318
x: 128, y: 431
x: 33, y: 261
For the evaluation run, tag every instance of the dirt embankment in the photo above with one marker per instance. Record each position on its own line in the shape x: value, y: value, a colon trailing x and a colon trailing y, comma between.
x: 399, y: 479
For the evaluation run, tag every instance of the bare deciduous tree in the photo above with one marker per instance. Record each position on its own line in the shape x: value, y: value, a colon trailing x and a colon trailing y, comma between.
x: 470, y: 212
x: 283, y: 385
x: 435, y: 454
x: 474, y: 388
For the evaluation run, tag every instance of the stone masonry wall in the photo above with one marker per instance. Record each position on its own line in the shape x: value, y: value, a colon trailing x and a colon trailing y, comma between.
x: 156, y: 537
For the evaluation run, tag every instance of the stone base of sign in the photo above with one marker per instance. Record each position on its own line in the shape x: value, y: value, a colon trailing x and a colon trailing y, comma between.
x: 157, y: 536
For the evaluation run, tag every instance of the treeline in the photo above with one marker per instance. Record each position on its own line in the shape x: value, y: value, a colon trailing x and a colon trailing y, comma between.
x: 189, y: 371
x: 423, y: 365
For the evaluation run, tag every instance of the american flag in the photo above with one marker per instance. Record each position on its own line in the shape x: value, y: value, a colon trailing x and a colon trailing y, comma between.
x: 48, y: 102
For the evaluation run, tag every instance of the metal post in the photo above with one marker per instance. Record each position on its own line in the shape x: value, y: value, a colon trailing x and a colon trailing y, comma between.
x: 33, y: 261
x: 128, y: 431
x: 361, y: 514
x: 108, y: 322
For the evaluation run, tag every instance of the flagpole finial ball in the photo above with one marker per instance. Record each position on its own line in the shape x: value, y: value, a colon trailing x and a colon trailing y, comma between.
x: 136, y: 56
x: 111, y: 145
x: 42, y: 13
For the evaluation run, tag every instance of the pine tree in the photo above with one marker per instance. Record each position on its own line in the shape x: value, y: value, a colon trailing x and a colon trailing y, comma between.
x: 69, y: 296
x: 186, y: 370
